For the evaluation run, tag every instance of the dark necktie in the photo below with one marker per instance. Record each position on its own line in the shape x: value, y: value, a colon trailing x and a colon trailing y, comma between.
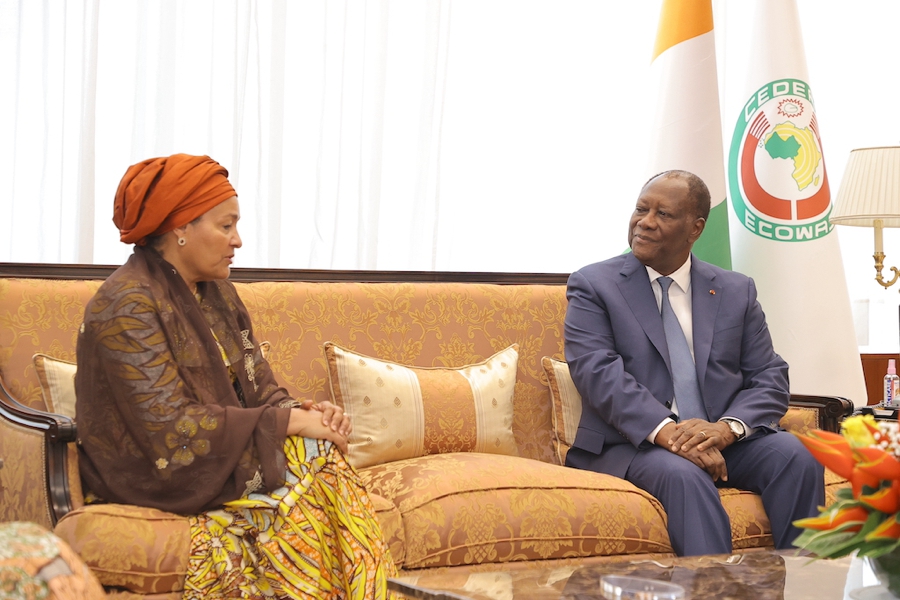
x: 684, y: 373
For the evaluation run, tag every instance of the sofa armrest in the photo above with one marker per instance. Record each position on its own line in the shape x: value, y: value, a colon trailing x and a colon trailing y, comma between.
x: 831, y: 410
x: 57, y: 432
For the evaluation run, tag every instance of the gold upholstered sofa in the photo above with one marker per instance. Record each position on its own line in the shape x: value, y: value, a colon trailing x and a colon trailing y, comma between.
x: 461, y: 453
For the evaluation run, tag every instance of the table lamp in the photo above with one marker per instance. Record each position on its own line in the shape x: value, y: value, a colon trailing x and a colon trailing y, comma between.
x: 869, y: 196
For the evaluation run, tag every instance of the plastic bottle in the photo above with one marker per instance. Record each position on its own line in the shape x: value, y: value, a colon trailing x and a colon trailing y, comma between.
x: 891, y: 385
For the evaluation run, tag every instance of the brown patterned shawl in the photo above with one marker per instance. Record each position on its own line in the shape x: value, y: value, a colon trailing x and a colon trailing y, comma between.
x: 159, y: 422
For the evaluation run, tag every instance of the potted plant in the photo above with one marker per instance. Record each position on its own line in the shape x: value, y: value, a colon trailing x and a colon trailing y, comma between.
x: 864, y: 518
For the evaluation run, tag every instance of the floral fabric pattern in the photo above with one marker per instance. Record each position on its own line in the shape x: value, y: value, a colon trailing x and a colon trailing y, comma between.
x: 316, y: 537
x: 469, y: 508
x: 156, y: 408
x: 37, y: 565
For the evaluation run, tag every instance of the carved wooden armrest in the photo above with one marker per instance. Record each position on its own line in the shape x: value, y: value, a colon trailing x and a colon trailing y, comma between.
x: 58, y: 432
x: 831, y: 410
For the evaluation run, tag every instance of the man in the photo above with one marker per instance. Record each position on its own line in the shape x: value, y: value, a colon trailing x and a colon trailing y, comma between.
x: 643, y: 349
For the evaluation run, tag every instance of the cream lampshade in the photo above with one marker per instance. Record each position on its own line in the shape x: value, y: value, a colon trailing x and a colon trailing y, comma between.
x: 869, y: 196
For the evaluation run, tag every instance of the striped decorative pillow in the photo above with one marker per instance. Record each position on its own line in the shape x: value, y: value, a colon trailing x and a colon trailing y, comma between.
x: 57, y: 379
x: 403, y: 412
x: 566, y: 405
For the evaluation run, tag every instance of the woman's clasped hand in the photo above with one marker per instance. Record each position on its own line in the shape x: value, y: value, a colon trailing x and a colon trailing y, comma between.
x: 324, y: 421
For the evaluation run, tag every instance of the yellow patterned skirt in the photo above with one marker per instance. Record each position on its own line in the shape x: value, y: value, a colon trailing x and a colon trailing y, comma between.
x: 316, y: 537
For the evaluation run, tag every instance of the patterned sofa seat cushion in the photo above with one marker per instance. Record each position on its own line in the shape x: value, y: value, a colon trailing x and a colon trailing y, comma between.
x: 403, y: 412
x: 750, y: 527
x: 472, y: 508
x: 391, y: 523
x: 143, y: 550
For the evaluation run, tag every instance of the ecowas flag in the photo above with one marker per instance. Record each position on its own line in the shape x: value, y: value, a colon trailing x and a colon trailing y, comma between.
x: 781, y: 198
x: 687, y: 130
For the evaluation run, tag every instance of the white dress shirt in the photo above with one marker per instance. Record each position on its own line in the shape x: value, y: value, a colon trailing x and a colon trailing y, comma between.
x: 682, y: 306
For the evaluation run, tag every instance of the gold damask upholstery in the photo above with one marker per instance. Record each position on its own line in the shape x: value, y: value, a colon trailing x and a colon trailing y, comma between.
x: 800, y: 419
x: 466, y: 507
x: 23, y: 476
x: 833, y: 483
x: 467, y: 511
x: 137, y: 548
x: 38, y: 315
x: 422, y: 324
x: 750, y: 526
x: 391, y: 526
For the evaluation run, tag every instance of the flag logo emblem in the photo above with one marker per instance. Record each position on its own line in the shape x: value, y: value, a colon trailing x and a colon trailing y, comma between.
x: 777, y: 178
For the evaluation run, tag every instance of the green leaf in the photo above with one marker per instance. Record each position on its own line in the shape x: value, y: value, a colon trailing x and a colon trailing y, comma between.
x: 844, y: 494
x: 878, y: 548
x: 838, y: 542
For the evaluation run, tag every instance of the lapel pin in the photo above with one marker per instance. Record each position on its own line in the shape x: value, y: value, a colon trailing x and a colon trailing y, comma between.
x: 713, y: 292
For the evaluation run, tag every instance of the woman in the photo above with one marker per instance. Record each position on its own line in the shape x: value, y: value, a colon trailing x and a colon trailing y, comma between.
x: 178, y: 410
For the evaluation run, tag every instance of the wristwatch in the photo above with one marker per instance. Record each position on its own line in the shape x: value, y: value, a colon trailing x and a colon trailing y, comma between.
x: 736, y: 427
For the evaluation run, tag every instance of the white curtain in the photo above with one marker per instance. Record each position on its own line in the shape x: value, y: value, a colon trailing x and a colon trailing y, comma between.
x: 500, y: 135
x: 402, y: 134
x: 327, y: 114
x: 47, y: 130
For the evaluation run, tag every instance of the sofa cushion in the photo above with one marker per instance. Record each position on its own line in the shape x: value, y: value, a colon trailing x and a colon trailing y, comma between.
x: 566, y: 405
x: 473, y: 508
x: 750, y: 526
x: 391, y: 523
x: 403, y: 412
x: 144, y: 550
x: 57, y: 379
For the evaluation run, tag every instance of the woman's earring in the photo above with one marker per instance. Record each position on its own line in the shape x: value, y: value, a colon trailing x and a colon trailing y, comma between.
x: 182, y: 241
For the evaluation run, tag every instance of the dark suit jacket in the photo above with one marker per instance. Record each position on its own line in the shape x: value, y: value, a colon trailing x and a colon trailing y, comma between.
x: 619, y: 361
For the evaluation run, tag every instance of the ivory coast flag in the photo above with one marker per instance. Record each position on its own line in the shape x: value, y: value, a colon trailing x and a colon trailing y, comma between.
x: 781, y: 198
x: 687, y: 130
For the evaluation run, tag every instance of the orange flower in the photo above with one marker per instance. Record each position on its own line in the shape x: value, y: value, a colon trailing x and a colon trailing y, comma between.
x: 833, y: 519
x: 859, y: 478
x: 874, y: 474
x: 889, y: 529
x: 886, y: 500
x: 878, y: 463
x: 832, y: 450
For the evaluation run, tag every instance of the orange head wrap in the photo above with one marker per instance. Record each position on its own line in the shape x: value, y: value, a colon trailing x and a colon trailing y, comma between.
x: 161, y: 194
